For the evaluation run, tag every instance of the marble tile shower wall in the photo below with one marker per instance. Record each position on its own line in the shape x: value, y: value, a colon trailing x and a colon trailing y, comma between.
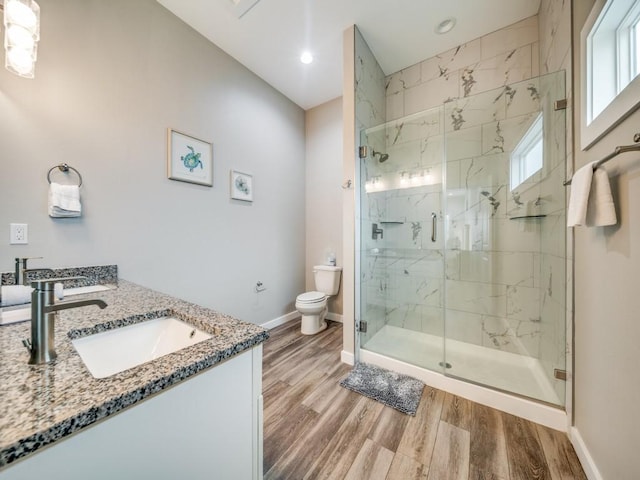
x: 494, y: 287
x: 403, y: 271
x: 492, y: 267
x: 557, y: 255
x: 370, y: 111
x: 503, y: 57
x: 505, y: 278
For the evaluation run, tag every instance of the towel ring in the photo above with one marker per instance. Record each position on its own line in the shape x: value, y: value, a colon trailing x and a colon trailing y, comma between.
x: 63, y: 167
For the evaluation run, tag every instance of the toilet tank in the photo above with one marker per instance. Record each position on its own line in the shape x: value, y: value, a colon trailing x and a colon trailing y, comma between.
x: 327, y: 278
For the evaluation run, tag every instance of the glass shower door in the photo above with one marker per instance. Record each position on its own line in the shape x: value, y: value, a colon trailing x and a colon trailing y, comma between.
x: 505, y: 238
x: 401, y: 246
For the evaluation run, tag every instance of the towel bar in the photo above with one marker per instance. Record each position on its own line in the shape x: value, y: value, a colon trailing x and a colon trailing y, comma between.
x: 63, y: 167
x: 617, y: 151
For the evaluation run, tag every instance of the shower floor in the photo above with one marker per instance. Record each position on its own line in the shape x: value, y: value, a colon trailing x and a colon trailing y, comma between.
x: 494, y: 368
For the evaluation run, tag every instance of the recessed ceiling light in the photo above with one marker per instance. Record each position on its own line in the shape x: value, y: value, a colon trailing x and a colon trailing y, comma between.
x: 445, y: 25
x: 306, y: 58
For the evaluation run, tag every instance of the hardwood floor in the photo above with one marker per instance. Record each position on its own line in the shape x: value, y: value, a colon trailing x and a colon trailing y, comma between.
x: 315, y: 429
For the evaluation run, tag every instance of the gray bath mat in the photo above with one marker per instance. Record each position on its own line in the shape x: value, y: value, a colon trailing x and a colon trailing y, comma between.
x: 393, y: 389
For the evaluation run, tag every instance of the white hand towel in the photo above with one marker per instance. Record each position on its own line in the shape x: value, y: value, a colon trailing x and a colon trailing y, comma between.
x: 64, y: 200
x: 20, y: 294
x: 601, y: 210
x: 15, y: 295
x: 579, y: 198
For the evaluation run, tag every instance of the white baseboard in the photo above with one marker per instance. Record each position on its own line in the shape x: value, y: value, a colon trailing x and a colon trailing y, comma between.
x: 347, y: 358
x: 276, y: 322
x: 589, y: 466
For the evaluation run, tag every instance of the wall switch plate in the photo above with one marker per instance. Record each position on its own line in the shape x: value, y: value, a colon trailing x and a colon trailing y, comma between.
x: 18, y: 234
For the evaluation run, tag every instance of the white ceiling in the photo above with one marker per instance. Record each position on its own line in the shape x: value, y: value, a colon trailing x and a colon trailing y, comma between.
x: 271, y: 36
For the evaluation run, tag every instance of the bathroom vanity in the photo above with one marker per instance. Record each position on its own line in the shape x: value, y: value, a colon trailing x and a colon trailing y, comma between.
x: 195, y: 413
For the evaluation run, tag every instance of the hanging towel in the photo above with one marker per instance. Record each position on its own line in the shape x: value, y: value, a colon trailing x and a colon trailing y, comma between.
x: 579, y: 198
x: 591, y: 202
x: 64, y: 200
x: 601, y: 211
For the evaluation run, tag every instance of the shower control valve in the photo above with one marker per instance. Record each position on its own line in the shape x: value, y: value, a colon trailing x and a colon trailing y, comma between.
x: 375, y: 231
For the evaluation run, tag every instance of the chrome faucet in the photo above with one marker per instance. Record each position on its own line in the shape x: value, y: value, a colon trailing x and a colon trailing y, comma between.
x: 21, y: 266
x: 43, y: 312
x: 25, y: 272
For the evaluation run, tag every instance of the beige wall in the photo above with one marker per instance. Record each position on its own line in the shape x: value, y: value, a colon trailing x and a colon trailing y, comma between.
x: 607, y: 305
x: 323, y: 201
x: 111, y: 78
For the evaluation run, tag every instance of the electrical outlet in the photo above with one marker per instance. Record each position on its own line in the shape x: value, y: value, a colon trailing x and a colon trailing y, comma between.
x: 19, y: 234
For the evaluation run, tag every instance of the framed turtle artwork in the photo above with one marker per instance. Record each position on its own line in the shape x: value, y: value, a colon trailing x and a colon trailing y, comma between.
x: 189, y: 159
x: 241, y: 186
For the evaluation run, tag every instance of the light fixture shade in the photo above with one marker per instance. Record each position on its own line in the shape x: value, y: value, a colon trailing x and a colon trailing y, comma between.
x: 21, y: 35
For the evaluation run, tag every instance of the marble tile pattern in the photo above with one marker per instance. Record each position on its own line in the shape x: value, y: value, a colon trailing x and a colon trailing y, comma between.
x: 503, y: 279
x: 45, y: 403
x: 479, y: 99
x: 370, y: 83
x: 554, y: 22
x: 95, y: 275
x: 491, y: 263
x: 504, y: 57
x: 370, y: 109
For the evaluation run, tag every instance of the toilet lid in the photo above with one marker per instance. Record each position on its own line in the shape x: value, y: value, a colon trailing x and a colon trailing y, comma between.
x: 311, y: 297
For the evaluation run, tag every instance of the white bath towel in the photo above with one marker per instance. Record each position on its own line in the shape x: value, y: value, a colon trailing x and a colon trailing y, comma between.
x: 579, y: 197
x: 601, y: 210
x: 64, y: 200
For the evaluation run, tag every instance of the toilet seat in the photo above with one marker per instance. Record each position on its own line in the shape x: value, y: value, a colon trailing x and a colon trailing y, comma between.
x: 311, y: 298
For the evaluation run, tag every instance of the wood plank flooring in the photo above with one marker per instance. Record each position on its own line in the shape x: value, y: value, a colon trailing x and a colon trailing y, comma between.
x: 315, y: 429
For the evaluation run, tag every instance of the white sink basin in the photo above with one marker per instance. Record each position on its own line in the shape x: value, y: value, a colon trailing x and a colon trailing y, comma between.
x: 89, y: 289
x: 21, y: 313
x: 114, y: 351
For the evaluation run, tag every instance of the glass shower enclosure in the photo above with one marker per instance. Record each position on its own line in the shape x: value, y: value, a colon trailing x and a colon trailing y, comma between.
x: 462, y: 239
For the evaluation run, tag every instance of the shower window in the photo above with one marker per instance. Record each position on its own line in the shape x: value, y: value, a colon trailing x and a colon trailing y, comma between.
x: 527, y: 157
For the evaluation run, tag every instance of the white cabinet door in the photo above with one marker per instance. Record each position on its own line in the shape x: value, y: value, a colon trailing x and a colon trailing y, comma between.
x: 203, y: 428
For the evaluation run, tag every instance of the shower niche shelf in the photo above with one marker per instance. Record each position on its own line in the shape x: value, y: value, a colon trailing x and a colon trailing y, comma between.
x: 526, y: 216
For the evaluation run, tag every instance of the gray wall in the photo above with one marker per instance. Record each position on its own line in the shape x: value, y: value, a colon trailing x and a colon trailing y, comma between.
x: 111, y: 77
x: 607, y: 330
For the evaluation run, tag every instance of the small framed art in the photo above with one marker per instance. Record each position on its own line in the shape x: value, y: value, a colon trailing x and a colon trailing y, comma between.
x: 189, y: 159
x: 241, y: 186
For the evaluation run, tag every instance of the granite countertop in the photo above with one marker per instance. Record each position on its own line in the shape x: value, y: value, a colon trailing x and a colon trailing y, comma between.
x: 44, y: 403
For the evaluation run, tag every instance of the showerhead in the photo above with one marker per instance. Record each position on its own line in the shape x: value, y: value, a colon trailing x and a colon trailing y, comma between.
x: 383, y: 156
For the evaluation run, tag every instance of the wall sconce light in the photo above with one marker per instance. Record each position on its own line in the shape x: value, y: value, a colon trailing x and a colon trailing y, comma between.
x: 21, y: 35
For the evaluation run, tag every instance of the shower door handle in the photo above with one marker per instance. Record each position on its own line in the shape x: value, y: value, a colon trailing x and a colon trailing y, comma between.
x: 434, y: 226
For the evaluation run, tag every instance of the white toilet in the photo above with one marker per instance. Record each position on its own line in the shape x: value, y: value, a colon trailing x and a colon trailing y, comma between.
x: 313, y: 305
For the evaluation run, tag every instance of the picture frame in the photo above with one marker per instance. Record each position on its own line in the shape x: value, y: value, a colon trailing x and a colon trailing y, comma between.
x: 189, y: 159
x: 241, y: 186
